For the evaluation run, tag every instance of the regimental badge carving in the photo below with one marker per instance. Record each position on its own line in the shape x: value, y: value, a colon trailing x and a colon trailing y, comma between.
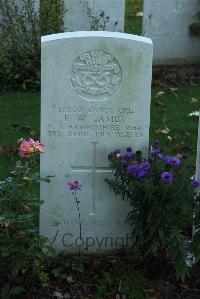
x: 95, y: 75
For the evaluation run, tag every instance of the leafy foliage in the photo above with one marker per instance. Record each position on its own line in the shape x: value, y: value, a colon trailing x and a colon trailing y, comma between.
x: 51, y: 16
x: 195, y: 24
x: 20, y: 49
x: 160, y: 195
x: 20, y: 30
x: 22, y: 250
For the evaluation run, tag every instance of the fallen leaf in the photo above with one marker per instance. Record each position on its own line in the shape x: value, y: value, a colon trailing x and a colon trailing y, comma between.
x: 195, y: 113
x: 194, y: 100
x: 150, y: 292
x: 159, y: 103
x: 139, y: 14
x: 20, y: 140
x: 173, y: 91
x: 159, y: 94
x: 163, y: 131
x: 26, y: 178
x: 58, y: 295
x: 70, y: 279
x: 26, y: 208
x: 181, y: 147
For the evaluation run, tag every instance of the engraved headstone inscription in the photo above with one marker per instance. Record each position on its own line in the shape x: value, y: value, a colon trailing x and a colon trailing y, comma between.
x: 96, y: 90
x: 105, y: 15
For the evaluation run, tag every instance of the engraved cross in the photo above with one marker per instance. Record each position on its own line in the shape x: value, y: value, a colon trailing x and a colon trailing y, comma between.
x: 93, y: 169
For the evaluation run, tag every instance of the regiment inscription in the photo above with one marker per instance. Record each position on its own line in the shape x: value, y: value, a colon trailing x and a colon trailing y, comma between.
x: 101, y: 122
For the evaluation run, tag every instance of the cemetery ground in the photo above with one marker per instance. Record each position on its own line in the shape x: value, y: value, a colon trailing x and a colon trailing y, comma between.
x: 120, y: 275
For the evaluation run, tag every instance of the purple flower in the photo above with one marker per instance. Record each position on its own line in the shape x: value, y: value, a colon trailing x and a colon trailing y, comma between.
x: 74, y: 185
x: 141, y: 174
x: 155, y: 152
x: 129, y: 153
x: 172, y: 161
x: 184, y: 155
x: 161, y: 156
x: 115, y: 154
x: 133, y: 169
x: 156, y: 141
x: 195, y: 183
x: 116, y: 151
x: 166, y: 177
x: 145, y: 166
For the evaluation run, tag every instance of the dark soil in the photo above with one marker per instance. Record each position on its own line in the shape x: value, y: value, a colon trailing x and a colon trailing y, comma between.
x: 112, y: 277
x: 174, y: 76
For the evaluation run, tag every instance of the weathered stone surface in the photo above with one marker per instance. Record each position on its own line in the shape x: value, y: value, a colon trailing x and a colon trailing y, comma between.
x: 88, y: 15
x: 96, y: 90
x: 167, y: 22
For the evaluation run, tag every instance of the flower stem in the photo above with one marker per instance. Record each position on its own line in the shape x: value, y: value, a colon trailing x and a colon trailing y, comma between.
x: 79, y: 214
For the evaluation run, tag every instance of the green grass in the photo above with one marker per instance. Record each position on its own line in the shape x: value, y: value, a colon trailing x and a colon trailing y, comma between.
x: 172, y: 112
x: 133, y: 24
x: 20, y: 117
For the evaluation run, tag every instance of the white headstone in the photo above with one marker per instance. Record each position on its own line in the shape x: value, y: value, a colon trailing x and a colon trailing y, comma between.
x: 100, y: 15
x: 167, y: 23
x: 197, y: 175
x: 96, y: 89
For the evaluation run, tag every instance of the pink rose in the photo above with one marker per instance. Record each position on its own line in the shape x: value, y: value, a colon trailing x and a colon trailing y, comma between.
x: 30, y: 147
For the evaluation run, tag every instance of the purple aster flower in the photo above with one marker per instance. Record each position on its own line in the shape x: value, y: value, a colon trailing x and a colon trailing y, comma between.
x: 172, y: 161
x: 166, y: 177
x: 74, y: 185
x: 115, y: 154
x: 195, y: 183
x: 141, y: 174
x: 145, y: 166
x: 133, y: 169
x: 155, y: 152
x: 161, y: 156
x: 184, y: 155
x: 156, y: 141
x: 116, y: 151
x: 129, y: 153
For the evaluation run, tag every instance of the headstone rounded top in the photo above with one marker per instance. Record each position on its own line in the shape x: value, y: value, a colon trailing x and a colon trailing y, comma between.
x: 106, y: 34
x: 95, y: 75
